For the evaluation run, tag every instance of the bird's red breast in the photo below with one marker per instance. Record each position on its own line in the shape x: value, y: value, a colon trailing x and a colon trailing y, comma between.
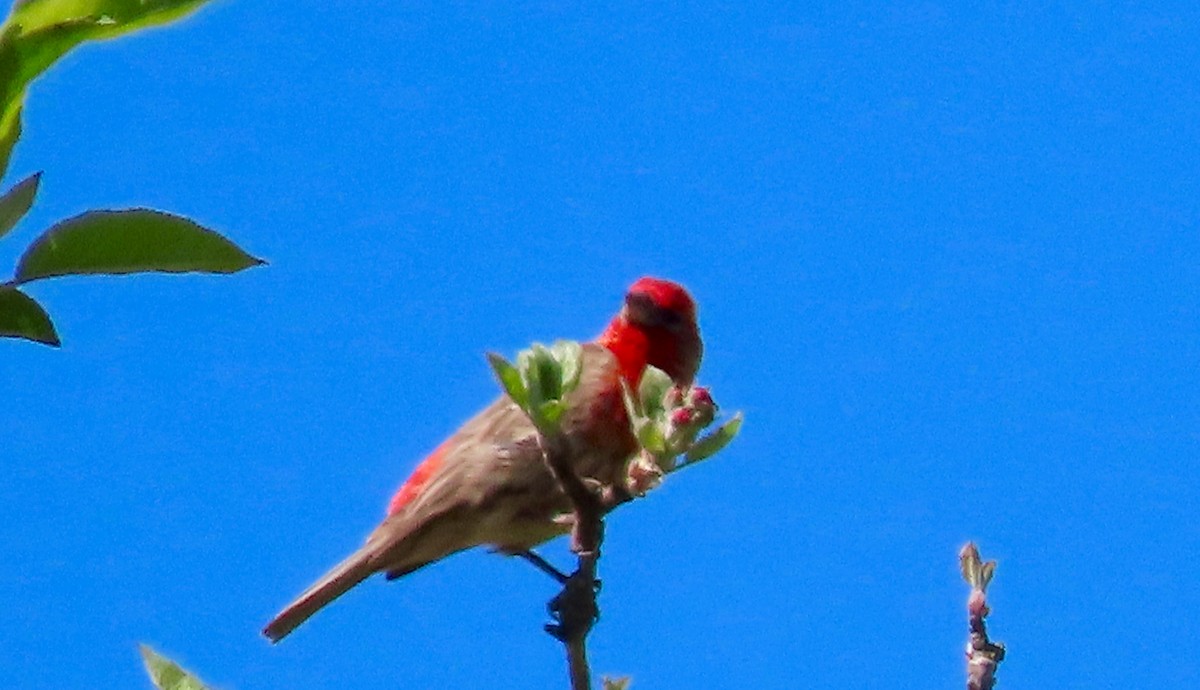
x: 630, y: 346
x: 635, y: 344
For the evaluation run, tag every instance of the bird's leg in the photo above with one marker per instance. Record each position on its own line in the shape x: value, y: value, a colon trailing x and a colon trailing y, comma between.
x: 543, y: 565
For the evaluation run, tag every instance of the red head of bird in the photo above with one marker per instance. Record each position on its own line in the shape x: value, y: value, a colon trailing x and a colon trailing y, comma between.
x: 656, y: 327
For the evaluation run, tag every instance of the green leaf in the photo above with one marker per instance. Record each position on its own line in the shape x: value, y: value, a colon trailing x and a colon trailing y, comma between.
x: 105, y: 18
x: 569, y: 354
x: 549, y: 373
x: 510, y: 379
x: 527, y: 365
x: 652, y: 390
x: 548, y: 415
x: 130, y: 241
x: 10, y: 134
x: 616, y: 683
x: 166, y: 674
x: 650, y: 437
x: 21, y: 317
x: 16, y: 202
x: 39, y: 32
x: 713, y: 443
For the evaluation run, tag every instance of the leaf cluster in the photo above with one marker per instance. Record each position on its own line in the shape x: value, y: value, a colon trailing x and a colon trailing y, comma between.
x: 540, y: 380
x: 99, y: 242
x: 668, y: 422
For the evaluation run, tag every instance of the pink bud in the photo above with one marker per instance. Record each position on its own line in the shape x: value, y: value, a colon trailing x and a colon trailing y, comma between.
x: 977, y: 604
x: 682, y: 416
x: 701, y: 396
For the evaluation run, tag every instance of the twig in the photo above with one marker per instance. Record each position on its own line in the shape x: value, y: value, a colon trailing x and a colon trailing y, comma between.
x: 983, y: 655
x: 574, y: 608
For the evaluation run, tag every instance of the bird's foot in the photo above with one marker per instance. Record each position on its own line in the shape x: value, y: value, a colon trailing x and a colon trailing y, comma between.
x: 574, y: 609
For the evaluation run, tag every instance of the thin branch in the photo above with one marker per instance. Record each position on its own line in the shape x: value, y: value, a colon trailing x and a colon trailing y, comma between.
x: 581, y: 674
x: 574, y: 608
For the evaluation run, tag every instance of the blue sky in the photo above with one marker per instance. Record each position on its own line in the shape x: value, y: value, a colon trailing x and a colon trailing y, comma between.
x: 947, y: 263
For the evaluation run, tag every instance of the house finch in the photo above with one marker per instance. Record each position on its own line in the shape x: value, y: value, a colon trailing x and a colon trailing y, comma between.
x: 487, y: 483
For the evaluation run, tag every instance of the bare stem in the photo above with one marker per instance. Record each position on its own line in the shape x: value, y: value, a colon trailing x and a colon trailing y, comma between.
x: 581, y: 675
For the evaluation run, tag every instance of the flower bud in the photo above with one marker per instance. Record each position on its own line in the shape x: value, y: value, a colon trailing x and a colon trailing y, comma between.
x: 701, y: 397
x: 682, y: 416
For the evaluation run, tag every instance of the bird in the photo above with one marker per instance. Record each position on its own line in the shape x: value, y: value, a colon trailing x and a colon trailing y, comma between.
x: 487, y: 485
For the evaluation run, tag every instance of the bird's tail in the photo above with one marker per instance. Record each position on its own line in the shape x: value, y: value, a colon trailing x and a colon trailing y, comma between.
x: 358, y: 567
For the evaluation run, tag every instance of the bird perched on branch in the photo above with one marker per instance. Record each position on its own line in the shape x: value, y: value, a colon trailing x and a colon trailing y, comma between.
x: 487, y: 484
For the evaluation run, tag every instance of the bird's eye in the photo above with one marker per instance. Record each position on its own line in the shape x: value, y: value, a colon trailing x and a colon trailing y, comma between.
x: 642, y: 310
x: 669, y: 319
